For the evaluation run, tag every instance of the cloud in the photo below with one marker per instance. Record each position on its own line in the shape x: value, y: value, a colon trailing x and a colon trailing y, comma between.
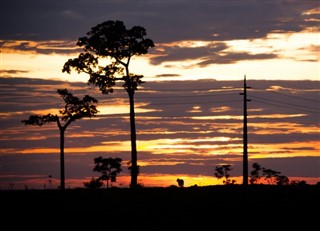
x: 172, y: 137
x: 54, y: 28
x: 72, y: 15
x: 168, y: 75
x: 8, y: 73
x: 40, y: 47
x: 184, y: 20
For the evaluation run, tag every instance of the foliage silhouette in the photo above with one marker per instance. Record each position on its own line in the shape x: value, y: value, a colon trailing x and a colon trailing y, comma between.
x: 94, y: 183
x: 271, y: 176
x: 282, y: 180
x: 115, y: 44
x: 223, y: 171
x: 108, y: 167
x: 75, y: 109
x: 255, y: 173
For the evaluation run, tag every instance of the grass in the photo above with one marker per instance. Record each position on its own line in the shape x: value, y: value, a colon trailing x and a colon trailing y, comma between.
x: 198, y: 208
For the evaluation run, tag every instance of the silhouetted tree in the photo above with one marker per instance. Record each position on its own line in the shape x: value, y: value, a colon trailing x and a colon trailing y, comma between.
x: 300, y: 182
x: 270, y: 175
x: 256, y: 173
x: 94, y: 183
x: 223, y: 171
x: 282, y: 180
x: 112, y: 42
x: 108, y: 167
x: 74, y: 109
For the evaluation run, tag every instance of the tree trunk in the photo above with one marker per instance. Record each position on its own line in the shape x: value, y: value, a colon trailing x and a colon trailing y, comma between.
x: 62, y: 177
x: 134, y: 166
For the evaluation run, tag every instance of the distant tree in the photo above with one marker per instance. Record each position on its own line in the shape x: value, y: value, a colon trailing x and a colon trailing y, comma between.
x: 270, y: 175
x: 172, y: 186
x: 140, y: 184
x: 282, y: 180
x: 94, y: 183
x: 75, y: 109
x: 256, y: 173
x: 223, y: 171
x: 115, y: 45
x: 299, y: 182
x: 108, y: 167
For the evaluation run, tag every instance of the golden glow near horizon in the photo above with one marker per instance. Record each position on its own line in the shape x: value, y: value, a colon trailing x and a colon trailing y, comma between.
x: 298, y: 58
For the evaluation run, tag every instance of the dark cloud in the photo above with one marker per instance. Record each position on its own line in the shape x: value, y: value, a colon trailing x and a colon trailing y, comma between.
x: 41, y: 47
x: 57, y: 25
x: 165, y: 21
x: 168, y: 75
x: 234, y: 57
x: 7, y: 73
x: 216, y: 54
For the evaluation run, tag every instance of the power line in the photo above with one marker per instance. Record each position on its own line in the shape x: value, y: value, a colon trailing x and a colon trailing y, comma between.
x: 283, y: 105
x: 293, y: 96
x: 185, y: 96
x: 199, y: 102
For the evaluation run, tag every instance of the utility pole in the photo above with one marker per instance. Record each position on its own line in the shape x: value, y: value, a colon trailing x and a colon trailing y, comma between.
x: 245, y: 133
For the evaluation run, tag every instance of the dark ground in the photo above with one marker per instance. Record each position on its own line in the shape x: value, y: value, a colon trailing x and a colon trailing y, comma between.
x: 194, y: 208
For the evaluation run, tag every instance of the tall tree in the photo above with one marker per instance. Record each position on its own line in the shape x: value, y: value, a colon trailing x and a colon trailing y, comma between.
x: 75, y: 109
x: 107, y: 52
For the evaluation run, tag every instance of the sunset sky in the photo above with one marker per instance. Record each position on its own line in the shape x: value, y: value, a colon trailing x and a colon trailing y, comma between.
x: 188, y: 111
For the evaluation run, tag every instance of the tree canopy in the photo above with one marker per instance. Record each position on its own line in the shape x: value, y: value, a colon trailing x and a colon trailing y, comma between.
x: 107, y: 52
x: 111, y: 40
x: 73, y: 110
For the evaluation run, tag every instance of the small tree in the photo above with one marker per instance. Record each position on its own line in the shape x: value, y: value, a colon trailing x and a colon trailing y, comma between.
x: 282, y: 180
x: 223, y: 171
x: 255, y: 174
x: 108, y: 49
x: 108, y: 167
x: 94, y: 183
x: 270, y: 175
x: 75, y: 109
x: 300, y: 183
